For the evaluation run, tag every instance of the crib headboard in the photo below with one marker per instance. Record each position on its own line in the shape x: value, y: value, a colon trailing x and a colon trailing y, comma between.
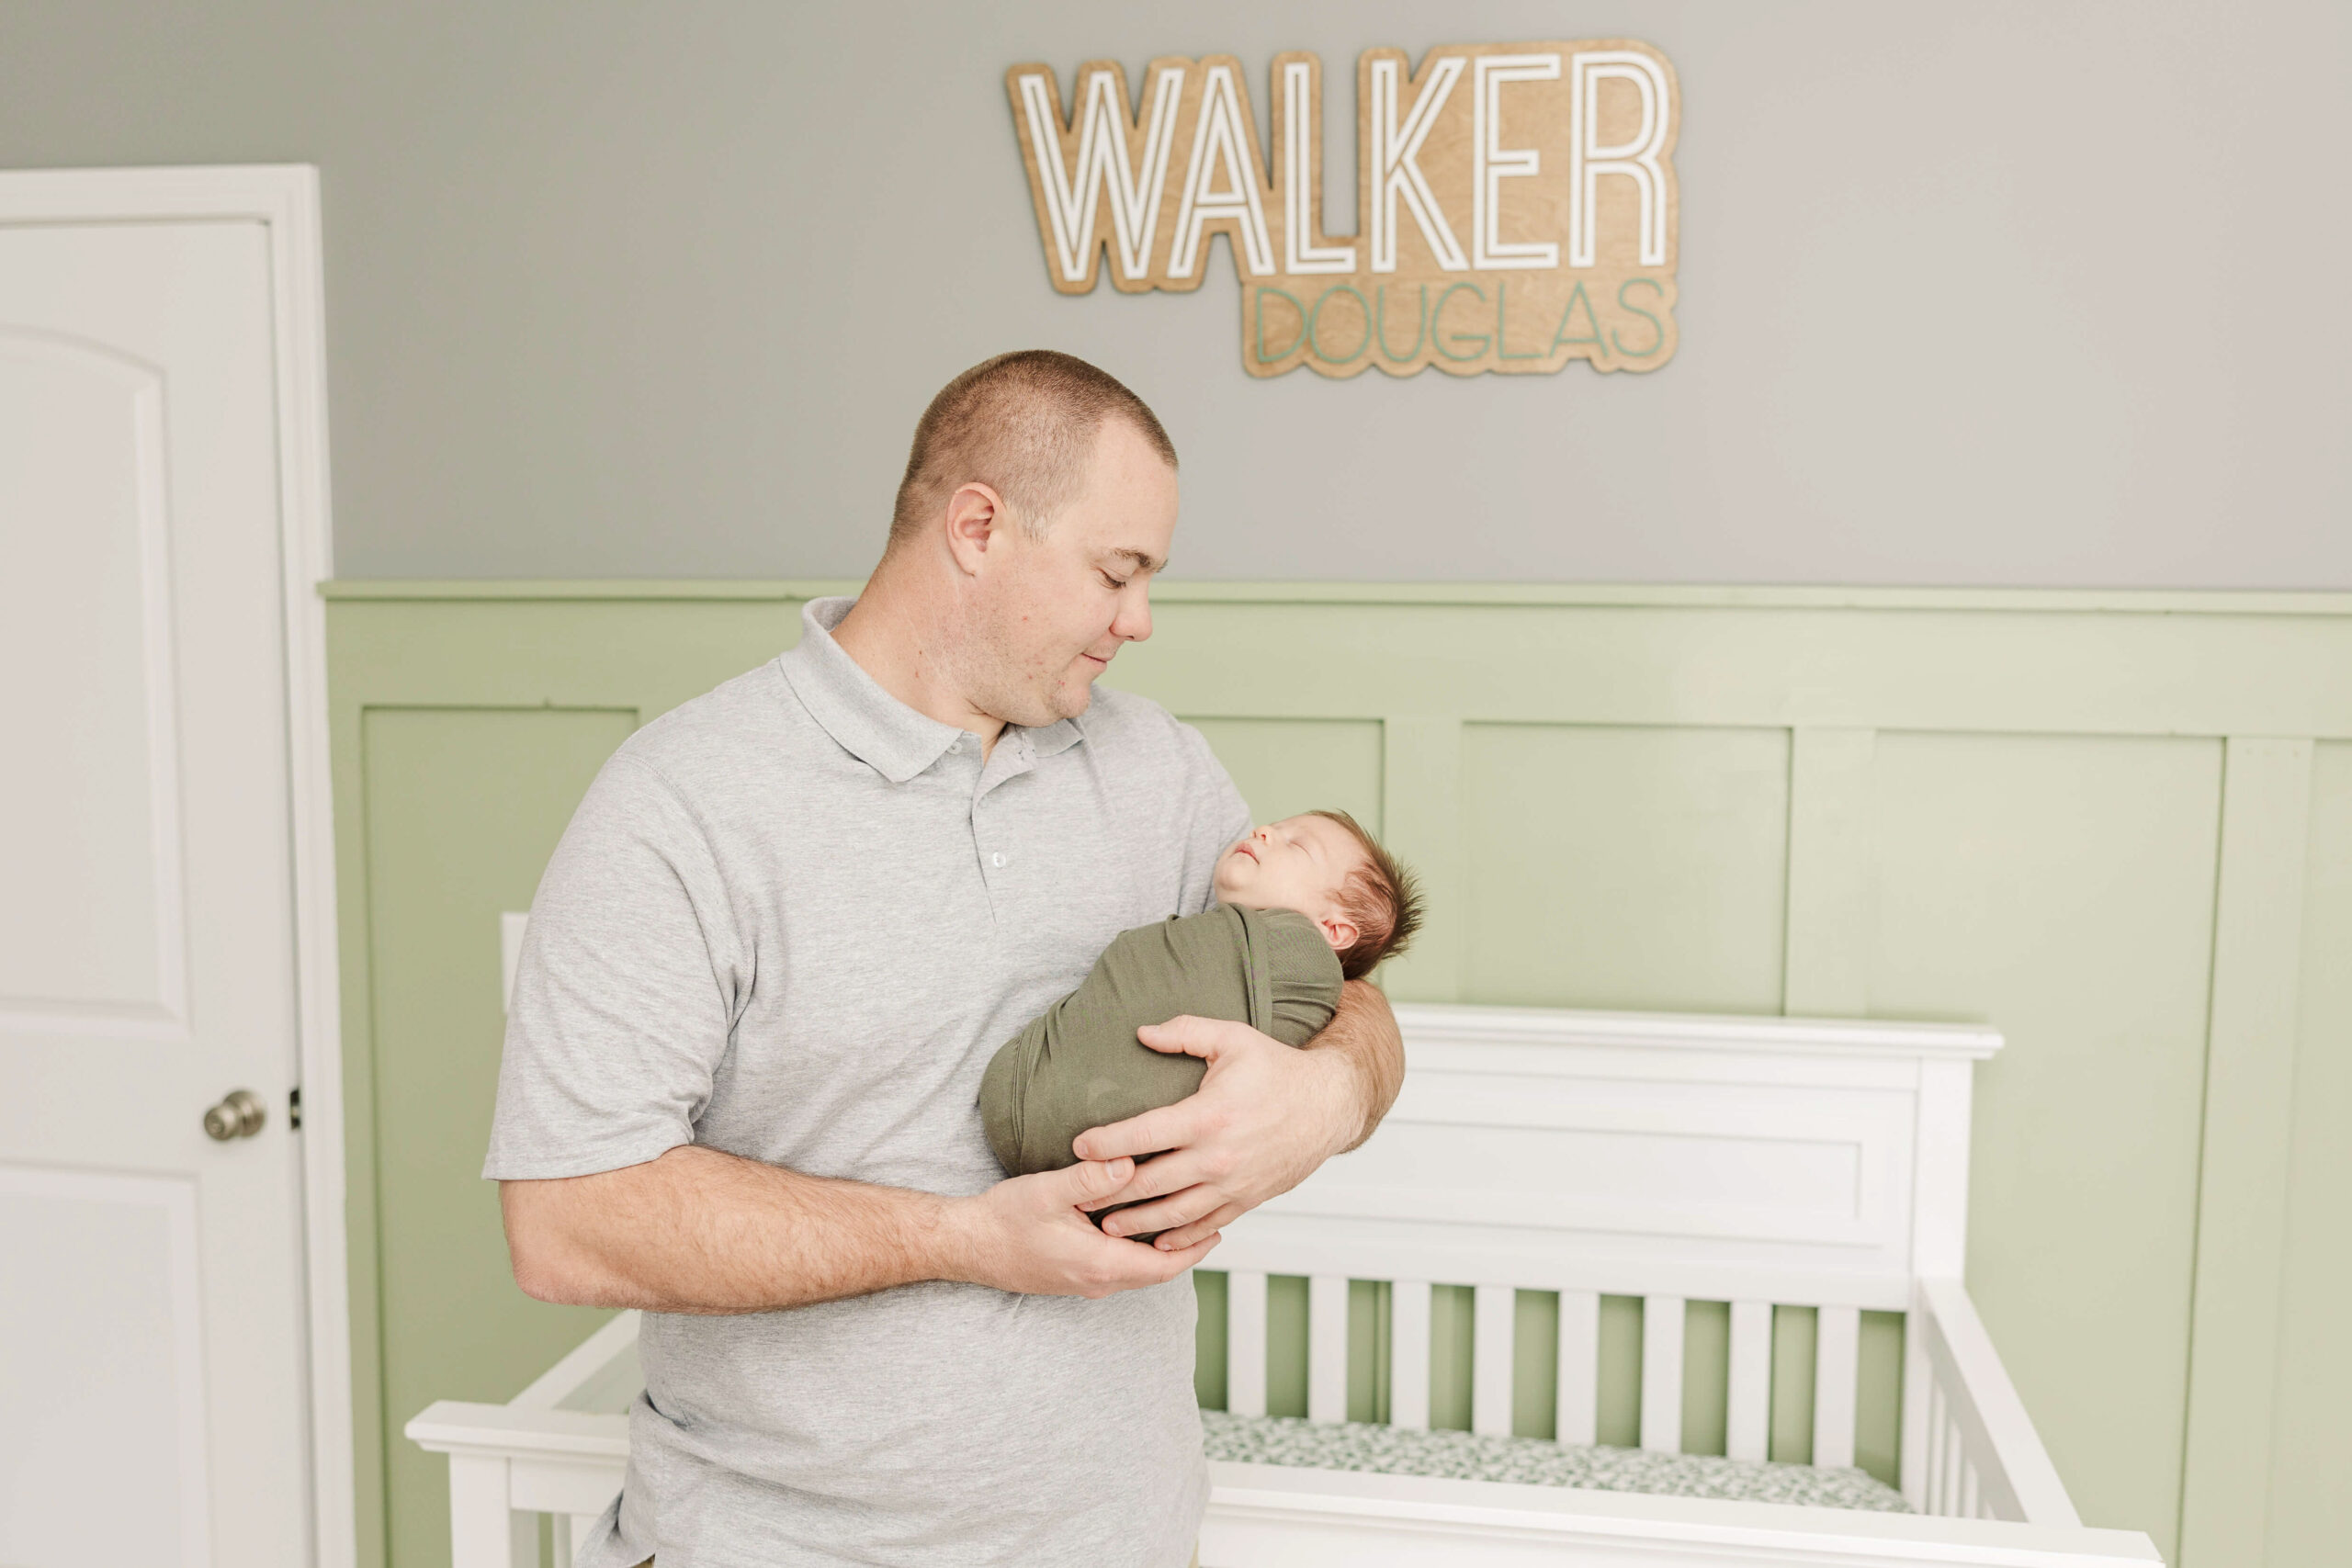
x: 1757, y: 1161
x: 1786, y: 1160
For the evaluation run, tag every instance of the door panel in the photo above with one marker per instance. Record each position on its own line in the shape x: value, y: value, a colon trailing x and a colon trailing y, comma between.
x: 92, y: 928
x: 153, y: 1302
x: 121, y: 1372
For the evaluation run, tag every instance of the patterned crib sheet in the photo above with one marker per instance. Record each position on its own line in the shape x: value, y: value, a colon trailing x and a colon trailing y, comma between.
x: 1468, y: 1456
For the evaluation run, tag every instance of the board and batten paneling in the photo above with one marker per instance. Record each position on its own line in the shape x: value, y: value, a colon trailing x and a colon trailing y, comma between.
x: 1623, y: 866
x: 2118, y: 825
x: 2063, y: 886
x: 2307, y: 1506
x: 463, y: 808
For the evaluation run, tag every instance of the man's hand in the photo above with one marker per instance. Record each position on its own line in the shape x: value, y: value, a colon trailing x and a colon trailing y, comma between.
x: 1028, y: 1234
x: 1264, y: 1118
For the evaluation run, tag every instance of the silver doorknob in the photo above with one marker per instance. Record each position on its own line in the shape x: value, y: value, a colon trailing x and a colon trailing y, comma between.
x: 239, y: 1116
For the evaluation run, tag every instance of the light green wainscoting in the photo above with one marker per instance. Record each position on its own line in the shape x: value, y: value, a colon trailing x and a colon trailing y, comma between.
x: 2119, y: 827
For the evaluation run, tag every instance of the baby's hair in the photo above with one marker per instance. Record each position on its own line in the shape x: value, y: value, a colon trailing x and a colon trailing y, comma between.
x: 1381, y: 896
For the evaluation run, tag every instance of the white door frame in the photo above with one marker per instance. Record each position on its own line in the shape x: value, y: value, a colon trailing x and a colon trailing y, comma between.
x: 284, y: 198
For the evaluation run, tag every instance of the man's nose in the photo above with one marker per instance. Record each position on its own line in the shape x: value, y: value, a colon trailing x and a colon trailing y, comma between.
x: 1133, y: 622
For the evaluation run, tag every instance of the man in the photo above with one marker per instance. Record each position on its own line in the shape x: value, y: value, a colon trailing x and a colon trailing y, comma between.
x: 766, y: 970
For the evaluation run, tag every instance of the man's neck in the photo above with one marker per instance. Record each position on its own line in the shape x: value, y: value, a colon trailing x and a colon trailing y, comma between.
x: 903, y: 638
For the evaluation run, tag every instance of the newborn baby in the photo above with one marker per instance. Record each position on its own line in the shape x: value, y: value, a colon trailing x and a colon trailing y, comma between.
x: 1305, y: 904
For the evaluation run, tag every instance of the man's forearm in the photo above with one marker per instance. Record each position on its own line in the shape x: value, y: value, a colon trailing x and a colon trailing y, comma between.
x: 1363, y: 1030
x: 698, y: 1231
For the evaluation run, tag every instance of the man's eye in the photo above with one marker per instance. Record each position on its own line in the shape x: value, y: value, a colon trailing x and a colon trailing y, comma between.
x: 1115, y: 582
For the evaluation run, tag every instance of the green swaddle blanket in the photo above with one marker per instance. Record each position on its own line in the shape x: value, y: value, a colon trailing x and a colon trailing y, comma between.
x: 1079, y: 1064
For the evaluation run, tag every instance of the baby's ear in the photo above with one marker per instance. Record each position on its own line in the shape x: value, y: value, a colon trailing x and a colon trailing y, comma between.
x: 1340, y: 931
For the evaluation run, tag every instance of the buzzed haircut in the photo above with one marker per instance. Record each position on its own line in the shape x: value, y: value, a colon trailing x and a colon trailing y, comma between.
x: 1023, y: 424
x: 1381, y: 896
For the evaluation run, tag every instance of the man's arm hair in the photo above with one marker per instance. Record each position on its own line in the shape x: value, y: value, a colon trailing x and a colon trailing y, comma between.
x: 1364, y: 1031
x: 699, y: 1231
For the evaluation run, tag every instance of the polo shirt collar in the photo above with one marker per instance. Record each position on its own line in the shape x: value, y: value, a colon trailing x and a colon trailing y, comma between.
x: 1058, y: 736
x: 868, y: 722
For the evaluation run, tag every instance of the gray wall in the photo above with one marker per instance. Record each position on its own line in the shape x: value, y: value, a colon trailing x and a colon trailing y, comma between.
x: 1972, y: 293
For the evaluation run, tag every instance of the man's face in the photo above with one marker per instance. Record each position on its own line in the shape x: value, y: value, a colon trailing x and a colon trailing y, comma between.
x: 1053, y: 612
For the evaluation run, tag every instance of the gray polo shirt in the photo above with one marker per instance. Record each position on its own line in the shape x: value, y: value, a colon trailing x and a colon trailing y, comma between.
x: 792, y: 920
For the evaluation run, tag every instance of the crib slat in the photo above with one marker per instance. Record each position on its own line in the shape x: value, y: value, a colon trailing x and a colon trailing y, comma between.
x: 1955, y: 1461
x: 1662, y: 1374
x: 1245, y: 1344
x: 1326, y: 1349
x: 1918, y: 1396
x: 1938, y: 1434
x: 1579, y: 1386
x: 1836, y: 1364
x: 1491, y: 1360
x: 1747, y: 1407
x: 1408, y: 1352
x: 1970, y: 1507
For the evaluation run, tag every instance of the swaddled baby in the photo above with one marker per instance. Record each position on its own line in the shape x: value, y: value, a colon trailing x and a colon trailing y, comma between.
x: 1304, y: 905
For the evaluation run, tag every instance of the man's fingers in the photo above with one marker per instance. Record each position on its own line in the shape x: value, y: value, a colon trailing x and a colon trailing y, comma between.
x: 1170, y: 1127
x: 1090, y: 1181
x: 1183, y: 1208
x: 1174, y: 1171
x: 1184, y: 1035
x: 1208, y: 1225
x: 1192, y: 1253
x: 1169, y: 1262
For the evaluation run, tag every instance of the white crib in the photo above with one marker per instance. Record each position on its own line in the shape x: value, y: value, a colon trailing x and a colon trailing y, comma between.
x: 1757, y: 1162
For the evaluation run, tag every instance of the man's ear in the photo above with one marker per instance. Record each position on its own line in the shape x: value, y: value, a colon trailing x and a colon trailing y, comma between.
x: 1338, y: 931
x: 975, y: 516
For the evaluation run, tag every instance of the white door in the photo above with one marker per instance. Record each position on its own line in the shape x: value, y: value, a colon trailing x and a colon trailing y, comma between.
x: 153, y: 1323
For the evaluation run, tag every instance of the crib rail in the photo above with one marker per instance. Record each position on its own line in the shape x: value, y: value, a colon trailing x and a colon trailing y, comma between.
x: 558, y: 1449
x: 508, y: 1465
x: 1969, y: 1449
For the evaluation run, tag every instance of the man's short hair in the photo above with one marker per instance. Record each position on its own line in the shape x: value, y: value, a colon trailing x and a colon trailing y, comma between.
x: 1381, y: 896
x: 1023, y: 424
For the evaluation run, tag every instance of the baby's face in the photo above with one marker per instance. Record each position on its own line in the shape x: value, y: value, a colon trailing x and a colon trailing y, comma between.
x: 1296, y: 863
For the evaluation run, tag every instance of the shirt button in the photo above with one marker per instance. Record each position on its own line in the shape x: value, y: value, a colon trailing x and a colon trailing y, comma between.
x: 996, y: 861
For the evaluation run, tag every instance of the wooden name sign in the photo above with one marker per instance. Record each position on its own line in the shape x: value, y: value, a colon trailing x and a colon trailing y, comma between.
x: 1515, y: 202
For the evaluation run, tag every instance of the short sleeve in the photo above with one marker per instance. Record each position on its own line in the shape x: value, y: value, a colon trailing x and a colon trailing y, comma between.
x: 625, y: 989
x: 1215, y: 817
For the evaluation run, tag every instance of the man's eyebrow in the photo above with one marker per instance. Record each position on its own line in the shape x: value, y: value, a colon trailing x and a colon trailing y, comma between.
x: 1137, y: 560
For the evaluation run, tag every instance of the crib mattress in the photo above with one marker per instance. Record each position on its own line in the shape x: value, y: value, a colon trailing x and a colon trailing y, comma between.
x: 1533, y: 1462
